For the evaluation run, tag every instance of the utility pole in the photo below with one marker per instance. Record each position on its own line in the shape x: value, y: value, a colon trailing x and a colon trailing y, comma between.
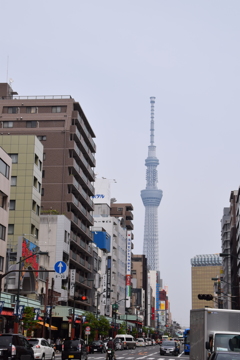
x: 45, y: 309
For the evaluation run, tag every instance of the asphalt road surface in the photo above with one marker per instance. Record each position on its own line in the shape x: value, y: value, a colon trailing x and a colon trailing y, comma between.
x: 146, y: 353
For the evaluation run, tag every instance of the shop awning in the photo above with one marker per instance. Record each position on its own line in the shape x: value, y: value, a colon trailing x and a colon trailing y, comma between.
x: 47, y: 325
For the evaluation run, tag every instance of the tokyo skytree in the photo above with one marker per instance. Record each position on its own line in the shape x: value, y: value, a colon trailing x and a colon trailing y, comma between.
x: 151, y: 198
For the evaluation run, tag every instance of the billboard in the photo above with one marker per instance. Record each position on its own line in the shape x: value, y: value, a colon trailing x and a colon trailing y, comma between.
x: 102, y: 191
x: 27, y: 249
x: 128, y: 270
x: 108, y: 293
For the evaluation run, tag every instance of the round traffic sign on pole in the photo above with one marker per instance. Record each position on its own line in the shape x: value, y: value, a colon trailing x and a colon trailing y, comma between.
x: 60, y: 267
x: 88, y: 328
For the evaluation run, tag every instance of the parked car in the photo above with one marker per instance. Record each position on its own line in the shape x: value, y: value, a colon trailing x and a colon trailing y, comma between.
x: 74, y: 349
x: 42, y: 349
x: 225, y: 355
x: 140, y: 342
x: 169, y: 348
x: 118, y: 344
x: 98, y: 346
x: 15, y: 347
x: 149, y: 341
x: 146, y: 342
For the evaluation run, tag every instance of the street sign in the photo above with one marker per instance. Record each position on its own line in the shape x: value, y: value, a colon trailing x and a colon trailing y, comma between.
x: 88, y: 328
x: 60, y: 267
x: 87, y: 332
x: 115, y: 306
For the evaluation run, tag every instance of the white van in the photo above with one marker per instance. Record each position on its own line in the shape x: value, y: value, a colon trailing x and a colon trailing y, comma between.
x: 128, y: 341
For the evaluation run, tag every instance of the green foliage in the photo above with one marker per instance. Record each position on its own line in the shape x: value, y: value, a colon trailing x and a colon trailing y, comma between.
x: 134, y: 332
x: 122, y: 329
x: 28, y: 322
x: 101, y: 325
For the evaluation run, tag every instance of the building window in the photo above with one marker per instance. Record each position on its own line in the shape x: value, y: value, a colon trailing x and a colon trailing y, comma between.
x: 38, y: 210
x: 42, y: 137
x: 43, y: 174
x: 31, y: 124
x: 12, y: 205
x: 42, y: 193
x: 39, y: 187
x: 10, y: 229
x: 35, y: 182
x: 13, y: 181
x: 36, y: 233
x: 32, y: 110
x: 1, y: 263
x: 34, y: 205
x: 8, y: 124
x: 3, y: 200
x: 13, y: 110
x: 14, y: 158
x: 4, y: 169
x: 44, y: 156
x: 66, y: 237
x: 40, y: 165
x: 2, y: 232
x: 56, y: 109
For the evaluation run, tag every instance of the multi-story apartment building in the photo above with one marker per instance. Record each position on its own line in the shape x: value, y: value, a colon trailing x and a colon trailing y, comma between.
x: 226, y: 262
x: 68, y: 161
x: 5, y: 178
x: 204, y: 268
x: 26, y: 153
x: 140, y: 283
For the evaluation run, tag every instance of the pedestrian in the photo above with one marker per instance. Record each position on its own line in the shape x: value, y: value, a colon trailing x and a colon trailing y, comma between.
x: 58, y: 344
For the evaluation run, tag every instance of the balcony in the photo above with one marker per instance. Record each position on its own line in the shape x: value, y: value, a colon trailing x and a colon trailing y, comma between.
x: 78, y: 190
x: 81, y: 244
x: 77, y: 171
x: 129, y: 215
x: 79, y: 121
x: 129, y: 225
x: 80, y: 141
x: 80, y: 157
x: 84, y: 230
x: 79, y: 261
x: 76, y: 203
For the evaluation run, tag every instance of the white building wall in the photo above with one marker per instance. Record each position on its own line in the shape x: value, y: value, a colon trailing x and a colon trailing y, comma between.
x: 54, y: 238
x: 118, y: 235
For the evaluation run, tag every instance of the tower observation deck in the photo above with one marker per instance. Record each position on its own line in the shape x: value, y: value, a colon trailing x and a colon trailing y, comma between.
x: 151, y: 198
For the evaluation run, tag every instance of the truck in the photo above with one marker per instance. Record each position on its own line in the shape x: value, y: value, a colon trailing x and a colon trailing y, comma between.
x: 213, y: 330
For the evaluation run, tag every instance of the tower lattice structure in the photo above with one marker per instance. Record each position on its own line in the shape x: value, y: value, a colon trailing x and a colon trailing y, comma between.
x: 151, y: 198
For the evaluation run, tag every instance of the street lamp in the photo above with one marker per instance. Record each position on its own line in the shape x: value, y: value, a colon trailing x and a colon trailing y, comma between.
x: 115, y: 308
x: 16, y: 323
x: 98, y: 297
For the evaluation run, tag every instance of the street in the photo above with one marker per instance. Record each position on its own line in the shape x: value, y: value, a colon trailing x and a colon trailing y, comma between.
x: 146, y: 353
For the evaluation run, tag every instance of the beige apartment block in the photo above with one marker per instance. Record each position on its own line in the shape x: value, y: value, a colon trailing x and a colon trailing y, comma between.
x: 204, y: 268
x: 26, y: 152
x: 5, y: 176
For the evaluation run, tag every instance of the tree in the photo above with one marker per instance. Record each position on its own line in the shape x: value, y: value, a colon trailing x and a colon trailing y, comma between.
x: 98, y: 326
x: 28, y: 323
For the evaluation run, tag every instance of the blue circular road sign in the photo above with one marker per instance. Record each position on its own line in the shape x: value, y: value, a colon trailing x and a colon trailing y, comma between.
x: 60, y: 267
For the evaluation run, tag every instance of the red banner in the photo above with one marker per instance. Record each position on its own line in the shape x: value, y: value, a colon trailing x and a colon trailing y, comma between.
x: 128, y: 280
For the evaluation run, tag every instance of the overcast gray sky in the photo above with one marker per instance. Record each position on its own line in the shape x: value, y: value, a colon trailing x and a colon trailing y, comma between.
x: 111, y: 56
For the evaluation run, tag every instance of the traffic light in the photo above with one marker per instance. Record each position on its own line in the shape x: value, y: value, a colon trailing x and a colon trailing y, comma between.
x: 206, y: 297
x: 83, y: 298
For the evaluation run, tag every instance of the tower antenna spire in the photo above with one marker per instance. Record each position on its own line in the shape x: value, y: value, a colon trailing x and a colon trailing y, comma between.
x: 151, y: 198
x: 152, y: 102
